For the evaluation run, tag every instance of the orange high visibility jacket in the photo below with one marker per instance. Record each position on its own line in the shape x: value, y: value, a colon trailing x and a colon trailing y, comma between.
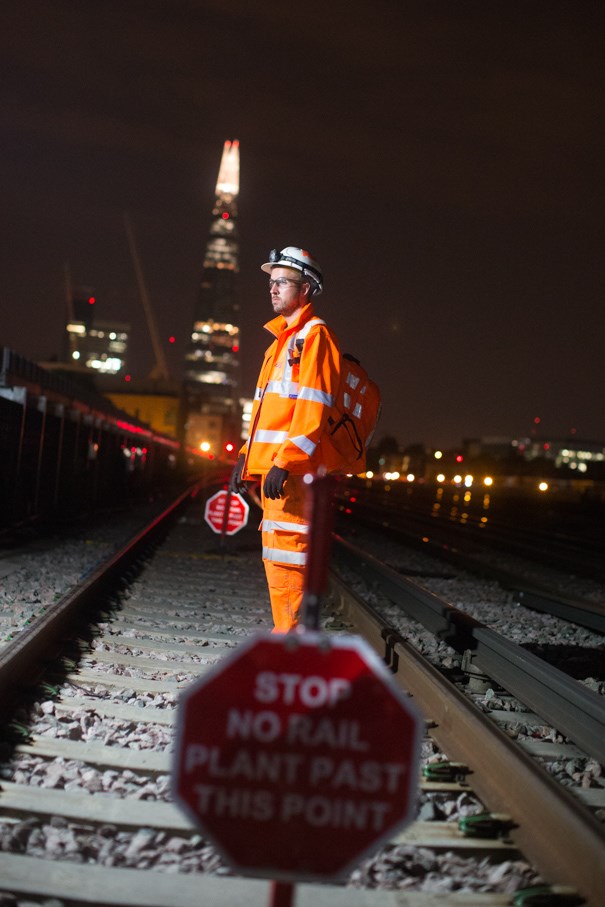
x: 297, y: 386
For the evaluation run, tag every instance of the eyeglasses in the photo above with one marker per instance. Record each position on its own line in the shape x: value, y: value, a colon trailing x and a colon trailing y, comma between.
x: 282, y: 282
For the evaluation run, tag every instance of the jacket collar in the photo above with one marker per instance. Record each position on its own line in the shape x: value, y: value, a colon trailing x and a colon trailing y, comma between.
x: 277, y: 326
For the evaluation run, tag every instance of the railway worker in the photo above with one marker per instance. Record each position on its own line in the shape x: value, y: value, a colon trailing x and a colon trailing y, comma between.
x: 297, y: 385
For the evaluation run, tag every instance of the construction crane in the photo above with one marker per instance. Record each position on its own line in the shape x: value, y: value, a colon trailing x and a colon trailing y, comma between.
x: 160, y: 369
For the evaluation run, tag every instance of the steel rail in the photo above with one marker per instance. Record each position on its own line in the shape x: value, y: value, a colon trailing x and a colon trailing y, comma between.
x: 532, y: 594
x: 23, y: 660
x: 553, y: 829
x: 584, y: 613
x: 570, y: 707
x: 58, y: 873
x: 587, y: 551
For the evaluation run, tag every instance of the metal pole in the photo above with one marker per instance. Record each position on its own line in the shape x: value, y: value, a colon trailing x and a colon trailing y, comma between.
x: 225, y: 524
x: 320, y: 489
x: 69, y: 311
x: 281, y: 894
x: 320, y: 513
x: 60, y: 413
x: 160, y: 369
x: 19, y: 396
x: 42, y: 408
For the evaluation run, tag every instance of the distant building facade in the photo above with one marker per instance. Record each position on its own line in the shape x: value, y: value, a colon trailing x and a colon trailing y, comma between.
x: 94, y: 344
x: 571, y: 453
x: 157, y: 403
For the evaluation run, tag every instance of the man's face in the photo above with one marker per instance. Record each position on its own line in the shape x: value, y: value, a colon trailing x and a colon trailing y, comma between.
x: 287, y: 299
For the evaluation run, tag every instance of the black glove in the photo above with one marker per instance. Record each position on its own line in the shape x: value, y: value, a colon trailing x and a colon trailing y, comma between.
x: 274, y: 482
x: 236, y: 483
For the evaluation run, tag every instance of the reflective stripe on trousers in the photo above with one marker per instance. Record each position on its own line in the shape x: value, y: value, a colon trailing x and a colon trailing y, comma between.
x: 285, y: 543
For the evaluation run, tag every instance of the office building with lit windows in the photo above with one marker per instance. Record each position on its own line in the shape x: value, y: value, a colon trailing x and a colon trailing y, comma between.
x: 571, y: 453
x: 212, y: 362
x: 100, y: 346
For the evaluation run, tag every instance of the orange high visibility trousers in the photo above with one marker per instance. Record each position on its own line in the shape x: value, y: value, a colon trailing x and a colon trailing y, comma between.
x: 285, y: 533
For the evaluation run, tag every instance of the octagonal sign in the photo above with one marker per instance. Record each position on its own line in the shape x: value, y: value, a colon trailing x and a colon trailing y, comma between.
x: 297, y: 756
x: 221, y: 520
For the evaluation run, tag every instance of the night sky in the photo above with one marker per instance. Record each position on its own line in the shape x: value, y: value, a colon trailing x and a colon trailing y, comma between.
x: 443, y: 161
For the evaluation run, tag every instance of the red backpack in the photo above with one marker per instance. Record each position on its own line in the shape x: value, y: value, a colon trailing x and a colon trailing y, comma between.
x: 354, y: 416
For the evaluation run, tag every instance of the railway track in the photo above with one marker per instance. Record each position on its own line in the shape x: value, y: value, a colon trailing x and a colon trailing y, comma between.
x: 85, y: 808
x: 474, y: 549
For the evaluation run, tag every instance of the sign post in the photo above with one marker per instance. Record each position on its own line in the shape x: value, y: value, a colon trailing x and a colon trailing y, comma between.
x: 319, y: 509
x: 297, y: 756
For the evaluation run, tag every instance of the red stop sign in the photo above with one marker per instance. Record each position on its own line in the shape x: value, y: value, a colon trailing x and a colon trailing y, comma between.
x: 297, y: 755
x: 237, y: 516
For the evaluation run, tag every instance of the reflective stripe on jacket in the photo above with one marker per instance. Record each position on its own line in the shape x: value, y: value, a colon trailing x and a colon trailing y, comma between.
x: 297, y: 386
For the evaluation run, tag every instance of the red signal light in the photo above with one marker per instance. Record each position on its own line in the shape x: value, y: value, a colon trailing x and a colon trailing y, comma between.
x: 459, y: 458
x: 172, y: 339
x: 225, y: 215
x: 91, y: 300
x: 229, y: 447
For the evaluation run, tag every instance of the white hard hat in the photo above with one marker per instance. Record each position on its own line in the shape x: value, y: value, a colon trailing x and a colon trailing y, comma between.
x: 292, y: 257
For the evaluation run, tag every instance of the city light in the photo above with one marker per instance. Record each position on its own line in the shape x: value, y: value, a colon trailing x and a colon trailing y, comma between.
x: 205, y: 446
x: 488, y: 481
x: 543, y: 486
x: 438, y: 454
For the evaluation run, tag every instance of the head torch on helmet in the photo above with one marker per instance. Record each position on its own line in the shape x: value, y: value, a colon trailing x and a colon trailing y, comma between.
x: 293, y: 257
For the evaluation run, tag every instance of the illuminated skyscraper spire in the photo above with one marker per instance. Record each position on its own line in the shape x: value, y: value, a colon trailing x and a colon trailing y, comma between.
x: 228, y: 175
x: 222, y: 247
x: 212, y: 359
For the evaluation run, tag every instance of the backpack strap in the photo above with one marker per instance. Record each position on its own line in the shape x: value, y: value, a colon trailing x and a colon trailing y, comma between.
x: 307, y: 327
x: 297, y: 340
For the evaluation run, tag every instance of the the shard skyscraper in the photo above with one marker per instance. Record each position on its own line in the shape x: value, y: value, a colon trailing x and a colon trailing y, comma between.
x: 213, y: 416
